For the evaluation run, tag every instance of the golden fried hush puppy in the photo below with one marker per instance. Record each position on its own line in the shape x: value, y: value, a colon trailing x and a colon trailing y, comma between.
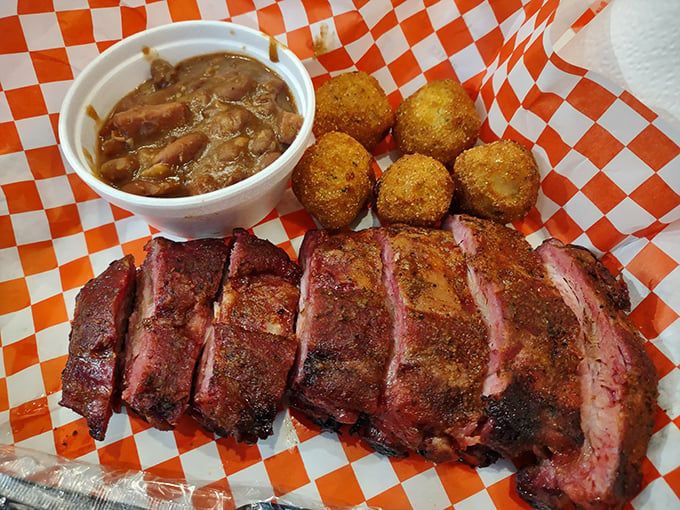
x: 416, y: 190
x: 498, y: 181
x: 353, y: 103
x: 438, y: 120
x: 334, y: 179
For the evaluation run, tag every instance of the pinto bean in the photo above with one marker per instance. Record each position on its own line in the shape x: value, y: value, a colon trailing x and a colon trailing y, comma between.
x: 263, y: 141
x: 267, y: 159
x: 206, y: 182
x: 148, y: 121
x: 288, y: 126
x: 119, y: 169
x: 230, y: 122
x: 153, y: 188
x: 272, y: 87
x: 186, y: 148
x: 157, y: 171
x: 168, y: 94
x: 162, y: 73
x: 113, y: 146
x: 234, y: 87
x: 232, y: 149
x: 264, y: 106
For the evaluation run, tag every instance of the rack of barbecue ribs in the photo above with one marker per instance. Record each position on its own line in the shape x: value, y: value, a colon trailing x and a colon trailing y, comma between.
x: 460, y: 343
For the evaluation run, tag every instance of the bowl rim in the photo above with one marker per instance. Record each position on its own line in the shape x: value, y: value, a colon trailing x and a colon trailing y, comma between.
x: 68, y: 144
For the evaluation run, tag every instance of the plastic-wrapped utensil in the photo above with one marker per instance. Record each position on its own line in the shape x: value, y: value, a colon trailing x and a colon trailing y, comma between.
x: 31, y: 480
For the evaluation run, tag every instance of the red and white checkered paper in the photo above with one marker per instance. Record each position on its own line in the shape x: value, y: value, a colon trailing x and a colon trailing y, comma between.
x: 611, y: 182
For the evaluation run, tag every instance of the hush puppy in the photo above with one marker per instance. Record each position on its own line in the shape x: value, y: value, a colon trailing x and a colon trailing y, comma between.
x: 416, y: 190
x: 353, y: 103
x: 438, y: 120
x: 498, y: 181
x: 334, y: 179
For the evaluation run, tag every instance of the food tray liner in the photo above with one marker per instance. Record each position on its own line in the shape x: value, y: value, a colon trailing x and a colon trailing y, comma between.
x: 610, y: 171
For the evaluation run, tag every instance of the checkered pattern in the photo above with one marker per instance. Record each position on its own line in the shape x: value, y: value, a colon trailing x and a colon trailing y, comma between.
x: 610, y: 181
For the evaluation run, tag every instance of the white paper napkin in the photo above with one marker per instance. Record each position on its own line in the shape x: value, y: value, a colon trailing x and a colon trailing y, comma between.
x: 636, y: 44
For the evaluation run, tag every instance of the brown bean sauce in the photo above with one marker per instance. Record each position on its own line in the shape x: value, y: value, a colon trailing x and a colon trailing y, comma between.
x: 204, y: 124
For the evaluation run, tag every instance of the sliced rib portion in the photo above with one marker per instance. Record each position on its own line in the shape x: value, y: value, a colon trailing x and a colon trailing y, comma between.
x: 343, y: 328
x: 619, y: 387
x: 179, y: 278
x: 176, y: 286
x: 531, y: 389
x: 242, y: 373
x: 433, y: 395
x: 91, y: 379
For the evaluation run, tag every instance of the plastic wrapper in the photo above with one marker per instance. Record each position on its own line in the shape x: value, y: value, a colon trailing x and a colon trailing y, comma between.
x: 35, y: 480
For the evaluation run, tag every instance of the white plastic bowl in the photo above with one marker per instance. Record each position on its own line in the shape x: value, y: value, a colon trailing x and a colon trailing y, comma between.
x: 123, y: 66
